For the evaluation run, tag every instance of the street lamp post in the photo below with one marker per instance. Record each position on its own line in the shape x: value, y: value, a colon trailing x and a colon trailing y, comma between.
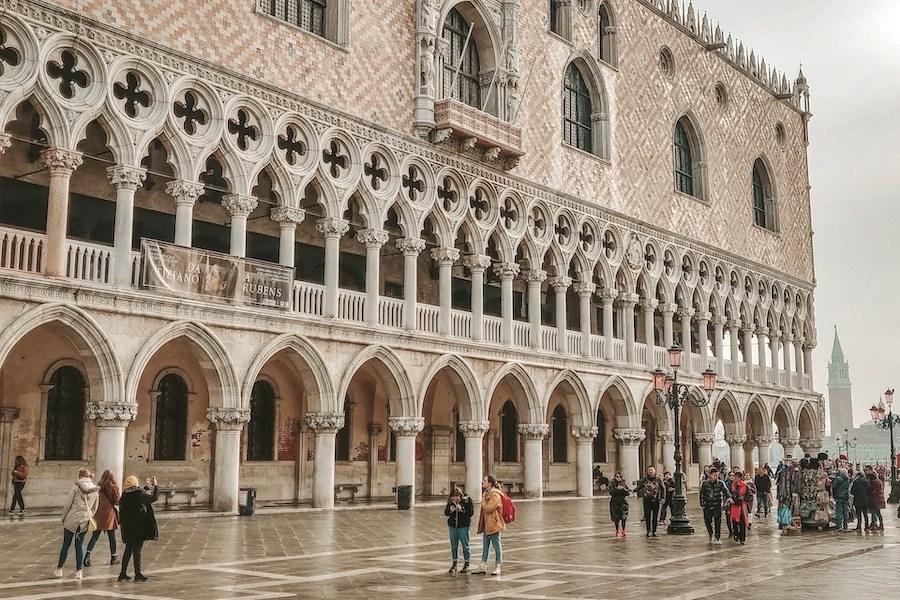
x: 846, y: 444
x: 887, y: 421
x: 673, y: 394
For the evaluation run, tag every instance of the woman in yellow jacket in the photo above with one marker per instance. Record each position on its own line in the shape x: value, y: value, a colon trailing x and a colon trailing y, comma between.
x: 490, y: 524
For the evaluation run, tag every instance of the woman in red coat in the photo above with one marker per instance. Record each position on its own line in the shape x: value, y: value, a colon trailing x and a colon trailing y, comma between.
x: 738, y: 509
x: 876, y: 501
x: 107, y: 517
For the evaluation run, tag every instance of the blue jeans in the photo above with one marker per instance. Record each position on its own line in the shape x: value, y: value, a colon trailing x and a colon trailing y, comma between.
x: 876, y: 517
x: 842, y: 513
x: 96, y: 535
x: 487, y: 542
x: 762, y: 503
x: 68, y: 536
x: 459, y: 535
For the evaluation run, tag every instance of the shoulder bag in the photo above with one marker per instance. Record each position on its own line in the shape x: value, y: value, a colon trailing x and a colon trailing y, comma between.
x: 92, y: 524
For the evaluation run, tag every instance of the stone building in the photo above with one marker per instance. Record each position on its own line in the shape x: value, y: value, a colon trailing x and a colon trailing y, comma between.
x: 494, y: 217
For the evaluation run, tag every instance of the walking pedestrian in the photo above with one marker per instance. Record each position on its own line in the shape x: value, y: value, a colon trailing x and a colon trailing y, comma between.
x: 763, y: 484
x: 738, y: 508
x: 840, y: 489
x: 650, y: 488
x: 138, y: 523
x: 19, y: 475
x: 860, y: 491
x: 751, y: 495
x: 618, y: 503
x: 713, y: 494
x: 768, y: 471
x: 728, y: 480
x: 106, y: 517
x: 78, y: 510
x: 668, y: 496
x: 459, y: 512
x: 490, y: 524
x: 876, y: 501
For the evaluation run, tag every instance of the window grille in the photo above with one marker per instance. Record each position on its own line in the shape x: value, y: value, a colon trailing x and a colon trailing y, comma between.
x: 305, y: 14
x: 261, y: 428
x: 684, y: 165
x: 509, y: 433
x: 170, y: 438
x: 759, y: 198
x: 560, y: 435
x: 468, y: 84
x: 577, y: 111
x: 65, y: 415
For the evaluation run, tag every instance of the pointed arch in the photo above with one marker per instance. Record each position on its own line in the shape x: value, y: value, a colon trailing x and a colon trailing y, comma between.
x: 393, y: 374
x: 585, y: 106
x: 309, y: 365
x: 476, y: 410
x: 727, y: 409
x: 622, y: 400
x: 691, y: 157
x: 757, y: 417
x: 579, y: 403
x: 607, y: 42
x: 518, y: 373
x: 765, y: 194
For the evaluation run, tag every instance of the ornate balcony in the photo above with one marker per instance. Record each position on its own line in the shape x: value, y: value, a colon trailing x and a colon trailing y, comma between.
x: 499, y: 141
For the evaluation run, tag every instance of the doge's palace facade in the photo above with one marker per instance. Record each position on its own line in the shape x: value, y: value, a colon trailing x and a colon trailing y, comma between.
x: 494, y: 218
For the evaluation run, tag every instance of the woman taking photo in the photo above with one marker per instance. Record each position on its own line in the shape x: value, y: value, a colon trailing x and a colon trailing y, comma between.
x: 459, y: 514
x: 490, y: 524
x: 138, y: 523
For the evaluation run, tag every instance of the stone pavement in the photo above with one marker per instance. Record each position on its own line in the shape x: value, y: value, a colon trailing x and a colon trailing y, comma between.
x: 556, y: 549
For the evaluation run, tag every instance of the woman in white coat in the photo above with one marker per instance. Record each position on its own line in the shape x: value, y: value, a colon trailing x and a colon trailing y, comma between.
x: 78, y: 510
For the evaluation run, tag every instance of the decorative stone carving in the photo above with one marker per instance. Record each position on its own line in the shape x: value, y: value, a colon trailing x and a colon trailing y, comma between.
x: 61, y: 161
x: 763, y: 440
x: 228, y: 419
x: 735, y: 439
x: 810, y: 445
x: 406, y: 426
x: 445, y: 255
x: 111, y: 415
x: 184, y: 192
x: 331, y: 227
x: 585, y: 288
x: 666, y: 437
x: 8, y: 414
x: 704, y: 439
x: 560, y: 283
x: 441, y: 135
x: 287, y: 216
x: 649, y: 304
x: 239, y: 205
x: 608, y: 295
x: 410, y: 246
x: 124, y: 177
x: 372, y: 238
x: 325, y: 422
x: 585, y: 433
x: 536, y: 431
x: 507, y: 270
x: 535, y: 276
x: 5, y: 142
x: 634, y: 254
x: 477, y: 261
x: 474, y: 429
x: 629, y: 437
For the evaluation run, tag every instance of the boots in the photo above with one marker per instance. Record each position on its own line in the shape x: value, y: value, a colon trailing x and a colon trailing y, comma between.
x: 87, y: 558
x: 123, y: 576
x: 465, y: 568
x: 481, y: 569
x: 452, y: 570
x: 113, y: 560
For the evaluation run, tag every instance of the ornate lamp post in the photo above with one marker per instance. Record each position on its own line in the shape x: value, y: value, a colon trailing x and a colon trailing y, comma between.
x: 672, y: 394
x: 844, y: 444
x: 887, y: 421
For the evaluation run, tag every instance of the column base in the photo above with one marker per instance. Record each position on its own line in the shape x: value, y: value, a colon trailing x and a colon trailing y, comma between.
x: 894, y: 498
x: 679, y: 523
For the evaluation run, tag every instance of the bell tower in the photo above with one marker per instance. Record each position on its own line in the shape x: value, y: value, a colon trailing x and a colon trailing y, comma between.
x: 840, y: 402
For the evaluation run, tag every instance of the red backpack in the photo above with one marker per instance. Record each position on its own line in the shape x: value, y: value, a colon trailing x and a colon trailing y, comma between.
x: 508, y: 509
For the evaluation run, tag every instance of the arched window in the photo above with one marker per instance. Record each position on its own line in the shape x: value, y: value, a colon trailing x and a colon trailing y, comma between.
x: 261, y: 428
x: 170, y: 433
x: 509, y: 433
x: 600, y: 440
x: 65, y: 415
x: 342, y: 439
x: 561, y: 18
x: 459, y: 454
x: 607, y: 47
x: 560, y: 435
x: 684, y: 161
x: 763, y: 197
x: 690, y: 159
x: 577, y: 111
x: 467, y: 88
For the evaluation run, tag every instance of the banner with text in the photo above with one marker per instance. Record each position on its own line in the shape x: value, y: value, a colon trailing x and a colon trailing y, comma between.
x: 198, y: 273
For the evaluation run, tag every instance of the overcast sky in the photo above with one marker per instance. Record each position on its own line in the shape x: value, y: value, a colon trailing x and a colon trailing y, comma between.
x: 851, y: 57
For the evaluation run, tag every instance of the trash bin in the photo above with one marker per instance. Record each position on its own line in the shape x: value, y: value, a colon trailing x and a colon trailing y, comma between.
x: 246, y: 501
x: 404, y: 497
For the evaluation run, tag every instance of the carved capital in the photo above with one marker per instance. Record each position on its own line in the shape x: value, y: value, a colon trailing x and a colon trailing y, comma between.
x: 372, y: 238
x: 287, y: 216
x: 686, y: 313
x: 126, y: 178
x: 733, y: 324
x: 332, y: 228
x: 406, y: 426
x: 474, y: 429
x: 325, y: 422
x: 586, y: 434
x: 477, y: 262
x: 774, y: 335
x: 560, y: 284
x: 733, y: 439
x: 445, y: 255
x: 228, y: 419
x: 764, y: 440
x: 535, y: 276
x: 628, y: 299
x: 703, y: 438
x: 507, y: 270
x: 608, y: 295
x: 761, y: 331
x: 668, y: 308
x: 111, y: 415
x: 719, y: 320
x: 585, y: 288
x: 8, y: 414
x: 666, y: 437
x: 649, y: 304
x: 810, y: 445
x: 184, y: 192
x: 5, y: 142
x: 61, y: 161
x: 239, y: 205
x: 629, y: 437
x: 410, y: 246
x: 703, y: 315
x: 534, y: 431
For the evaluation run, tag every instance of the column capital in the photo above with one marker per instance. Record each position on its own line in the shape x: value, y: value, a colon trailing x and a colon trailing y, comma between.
x: 584, y: 288
x: 534, y: 431
x: 763, y: 440
x: 477, y: 262
x: 666, y: 437
x: 410, y: 246
x: 123, y: 177
x: 799, y: 340
x: 535, y: 276
x: 628, y: 299
x: 734, y: 324
x: 375, y: 428
x: 60, y: 160
x: 228, y: 419
x: 287, y: 216
x: 702, y: 437
x: 406, y: 426
x: 8, y: 414
x: 762, y: 331
x: 629, y: 437
x: 810, y: 345
x: 332, y: 227
x: 5, y: 142
x: 586, y: 434
x: 774, y: 334
x: 560, y: 283
x: 788, y: 338
x: 810, y: 445
x: 111, y: 415
x: 184, y: 192
x: 325, y: 422
x: 445, y: 255
x: 734, y: 439
x: 239, y: 205
x: 372, y: 238
x: 789, y: 441
x: 668, y: 308
x: 507, y: 270
x: 750, y: 444
x: 686, y: 313
x: 719, y: 320
x: 702, y: 315
x: 648, y: 303
x: 474, y: 429
x: 608, y: 295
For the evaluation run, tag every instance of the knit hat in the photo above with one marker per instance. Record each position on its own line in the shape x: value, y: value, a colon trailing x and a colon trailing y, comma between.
x: 131, y: 481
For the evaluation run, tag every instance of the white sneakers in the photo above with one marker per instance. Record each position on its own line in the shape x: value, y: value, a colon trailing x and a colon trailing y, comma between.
x: 57, y: 573
x: 481, y: 569
x: 78, y: 575
x: 496, y: 570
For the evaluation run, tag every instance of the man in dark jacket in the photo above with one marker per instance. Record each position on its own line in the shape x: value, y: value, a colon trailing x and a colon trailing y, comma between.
x: 860, y: 491
x: 763, y: 486
x: 712, y: 496
x: 668, y: 496
x: 650, y: 488
x: 138, y: 523
x: 840, y: 488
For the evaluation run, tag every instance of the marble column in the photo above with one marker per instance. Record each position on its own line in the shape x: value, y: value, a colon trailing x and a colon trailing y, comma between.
x: 734, y: 327
x: 627, y: 302
x: 506, y: 271
x: 324, y: 425
x: 668, y: 309
x: 585, y: 291
x: 608, y: 297
x: 584, y: 466
x: 534, y: 435
x: 774, y: 347
x: 533, y: 279
x: 807, y: 362
x: 735, y: 449
x: 788, y: 342
x: 798, y: 361
x: 702, y: 319
x: 560, y: 287
x: 126, y: 180
x: 704, y: 448
x: 185, y: 194
x: 405, y: 431
x: 764, y: 448
x: 474, y: 432
x: 445, y: 257
x: 373, y: 240
x: 748, y: 330
x: 62, y: 164
x: 648, y: 308
x: 333, y: 230
x: 287, y: 217
x: 8, y: 414
x: 668, y: 450
x: 749, y: 447
x: 111, y: 421
x: 372, y: 479
x: 762, y: 342
x: 239, y: 207
x: 629, y: 445
x: 228, y: 422
x: 686, y: 314
x: 477, y: 263
x: 411, y: 248
x: 719, y: 343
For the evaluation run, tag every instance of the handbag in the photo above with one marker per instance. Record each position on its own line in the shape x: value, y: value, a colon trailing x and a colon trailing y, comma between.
x: 92, y: 524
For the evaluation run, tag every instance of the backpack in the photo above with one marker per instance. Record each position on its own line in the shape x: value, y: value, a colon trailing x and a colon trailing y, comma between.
x: 651, y: 489
x: 507, y: 509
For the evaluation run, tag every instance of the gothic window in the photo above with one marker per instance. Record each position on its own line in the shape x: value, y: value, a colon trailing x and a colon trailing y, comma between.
x: 560, y: 18
x: 467, y: 88
x: 509, y: 433
x: 577, y: 111
x: 607, y: 47
x: 325, y: 18
x: 342, y: 439
x: 559, y: 434
x: 261, y: 428
x: 459, y: 454
x: 600, y: 440
x: 763, y: 197
x: 684, y: 164
x: 65, y: 415
x: 170, y: 437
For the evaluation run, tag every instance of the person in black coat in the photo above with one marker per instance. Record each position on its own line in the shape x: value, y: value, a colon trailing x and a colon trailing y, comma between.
x: 137, y: 522
x: 459, y: 513
x: 860, y: 492
x: 618, y: 503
